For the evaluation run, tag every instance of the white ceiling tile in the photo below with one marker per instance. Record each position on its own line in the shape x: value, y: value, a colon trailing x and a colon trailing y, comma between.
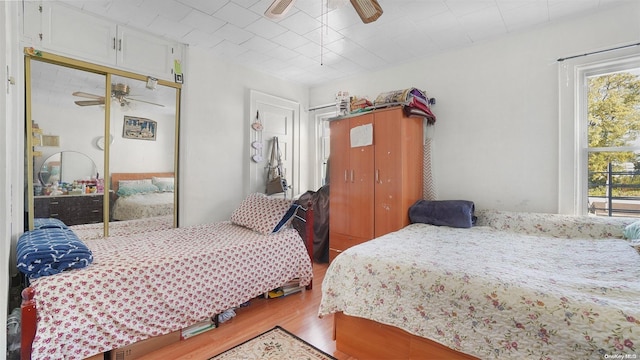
x: 133, y: 14
x: 199, y: 20
x: 282, y: 53
x: 465, y: 7
x: 168, y: 28
x: 323, y: 35
x: 561, y: 8
x: 530, y: 14
x: 300, y: 23
x: 290, y: 40
x: 171, y: 10
x: 265, y: 28
x: 260, y: 45
x: 309, y: 49
x: 206, y: 6
x: 228, y: 49
x: 198, y: 37
x: 234, y: 34
x: 236, y: 15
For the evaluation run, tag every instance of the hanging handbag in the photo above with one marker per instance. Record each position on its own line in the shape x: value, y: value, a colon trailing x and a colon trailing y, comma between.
x: 276, y: 183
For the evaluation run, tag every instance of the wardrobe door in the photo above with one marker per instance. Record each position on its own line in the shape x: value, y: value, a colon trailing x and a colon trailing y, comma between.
x: 339, y: 177
x: 398, y: 168
x: 361, y: 176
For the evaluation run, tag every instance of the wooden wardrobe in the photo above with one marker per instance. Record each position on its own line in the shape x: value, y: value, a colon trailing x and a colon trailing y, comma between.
x: 375, y: 175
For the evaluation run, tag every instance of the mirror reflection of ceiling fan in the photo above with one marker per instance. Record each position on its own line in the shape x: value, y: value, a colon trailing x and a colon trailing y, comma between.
x: 368, y: 10
x: 119, y: 94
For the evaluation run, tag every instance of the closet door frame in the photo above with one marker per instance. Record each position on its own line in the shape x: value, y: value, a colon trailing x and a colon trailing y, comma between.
x: 35, y: 55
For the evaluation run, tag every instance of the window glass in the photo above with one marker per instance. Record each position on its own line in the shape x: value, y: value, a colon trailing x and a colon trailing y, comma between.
x: 613, y: 142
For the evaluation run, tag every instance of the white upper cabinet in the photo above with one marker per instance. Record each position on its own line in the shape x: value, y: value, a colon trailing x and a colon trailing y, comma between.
x: 147, y: 54
x: 67, y: 31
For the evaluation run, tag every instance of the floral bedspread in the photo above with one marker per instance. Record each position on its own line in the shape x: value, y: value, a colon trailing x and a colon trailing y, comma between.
x: 545, y: 293
x: 140, y: 206
x: 155, y: 283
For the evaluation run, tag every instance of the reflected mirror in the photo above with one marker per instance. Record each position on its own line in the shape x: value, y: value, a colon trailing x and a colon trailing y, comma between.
x: 64, y: 160
x: 142, y: 155
x: 66, y: 171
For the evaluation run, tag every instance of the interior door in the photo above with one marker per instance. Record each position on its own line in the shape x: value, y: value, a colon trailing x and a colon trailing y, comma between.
x: 278, y: 117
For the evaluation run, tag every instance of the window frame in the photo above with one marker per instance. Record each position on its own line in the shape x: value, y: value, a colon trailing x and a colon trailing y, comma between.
x: 573, y: 123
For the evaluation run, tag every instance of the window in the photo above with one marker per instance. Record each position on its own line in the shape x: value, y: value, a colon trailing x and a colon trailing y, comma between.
x: 599, y: 125
x: 613, y: 142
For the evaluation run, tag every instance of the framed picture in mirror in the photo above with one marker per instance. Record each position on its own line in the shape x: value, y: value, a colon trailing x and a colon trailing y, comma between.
x: 139, y: 128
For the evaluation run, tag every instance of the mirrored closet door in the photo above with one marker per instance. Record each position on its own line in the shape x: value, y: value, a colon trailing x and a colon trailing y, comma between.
x: 100, y: 163
x: 142, y: 153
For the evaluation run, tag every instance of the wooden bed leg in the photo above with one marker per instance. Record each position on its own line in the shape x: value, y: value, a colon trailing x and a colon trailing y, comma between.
x: 28, y: 322
x: 310, y: 234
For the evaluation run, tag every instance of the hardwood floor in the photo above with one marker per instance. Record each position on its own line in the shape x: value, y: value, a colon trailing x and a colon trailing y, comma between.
x: 297, y: 313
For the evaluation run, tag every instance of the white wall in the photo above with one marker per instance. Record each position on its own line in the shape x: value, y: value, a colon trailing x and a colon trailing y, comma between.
x: 496, y: 136
x: 10, y: 182
x: 215, y: 151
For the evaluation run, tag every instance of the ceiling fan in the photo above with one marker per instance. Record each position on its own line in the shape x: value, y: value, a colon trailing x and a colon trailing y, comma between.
x: 368, y: 10
x: 119, y: 94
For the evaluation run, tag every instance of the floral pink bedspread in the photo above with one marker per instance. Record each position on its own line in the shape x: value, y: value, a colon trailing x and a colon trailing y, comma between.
x: 495, y: 293
x: 155, y: 283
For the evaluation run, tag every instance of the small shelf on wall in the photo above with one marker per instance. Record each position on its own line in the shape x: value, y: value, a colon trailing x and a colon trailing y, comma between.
x: 50, y: 140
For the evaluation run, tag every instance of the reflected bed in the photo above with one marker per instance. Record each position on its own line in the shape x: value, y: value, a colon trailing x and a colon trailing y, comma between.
x: 142, y: 195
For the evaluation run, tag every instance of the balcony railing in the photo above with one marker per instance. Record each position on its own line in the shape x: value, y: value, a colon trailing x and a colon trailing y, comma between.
x: 610, y: 205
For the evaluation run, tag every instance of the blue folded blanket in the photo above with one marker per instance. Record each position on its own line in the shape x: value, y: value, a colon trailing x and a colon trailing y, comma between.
x: 50, y: 251
x: 44, y: 223
x: 453, y: 213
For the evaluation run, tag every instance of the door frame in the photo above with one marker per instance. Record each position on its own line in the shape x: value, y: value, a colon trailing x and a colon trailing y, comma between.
x: 255, y: 168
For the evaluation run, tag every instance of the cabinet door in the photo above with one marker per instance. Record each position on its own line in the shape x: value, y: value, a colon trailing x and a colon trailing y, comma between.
x: 339, y: 171
x: 32, y: 22
x: 145, y: 53
x: 71, y: 32
x: 398, y: 163
x: 361, y: 187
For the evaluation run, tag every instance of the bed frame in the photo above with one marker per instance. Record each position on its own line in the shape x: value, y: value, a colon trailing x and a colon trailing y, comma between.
x: 367, y: 339
x: 29, y: 311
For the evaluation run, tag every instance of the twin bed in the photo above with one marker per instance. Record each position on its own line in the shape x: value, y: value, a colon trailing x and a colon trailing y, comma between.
x: 155, y: 282
x: 517, y: 285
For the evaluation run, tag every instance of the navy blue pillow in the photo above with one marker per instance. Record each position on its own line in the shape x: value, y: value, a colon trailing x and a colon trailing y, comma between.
x: 286, y: 218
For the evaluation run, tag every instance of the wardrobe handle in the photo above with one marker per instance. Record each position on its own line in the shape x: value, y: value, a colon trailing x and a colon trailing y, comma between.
x: 377, y: 175
x: 120, y: 45
x: 352, y: 175
x: 114, y: 43
x: 345, y: 175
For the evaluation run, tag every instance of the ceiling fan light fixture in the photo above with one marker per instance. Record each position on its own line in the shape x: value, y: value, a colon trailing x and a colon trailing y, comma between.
x: 279, y: 8
x: 368, y: 10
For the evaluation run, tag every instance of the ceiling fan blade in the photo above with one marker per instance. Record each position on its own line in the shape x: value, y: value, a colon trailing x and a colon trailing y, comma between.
x: 279, y: 8
x: 87, y: 95
x: 89, y: 102
x: 144, y: 101
x: 368, y: 10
